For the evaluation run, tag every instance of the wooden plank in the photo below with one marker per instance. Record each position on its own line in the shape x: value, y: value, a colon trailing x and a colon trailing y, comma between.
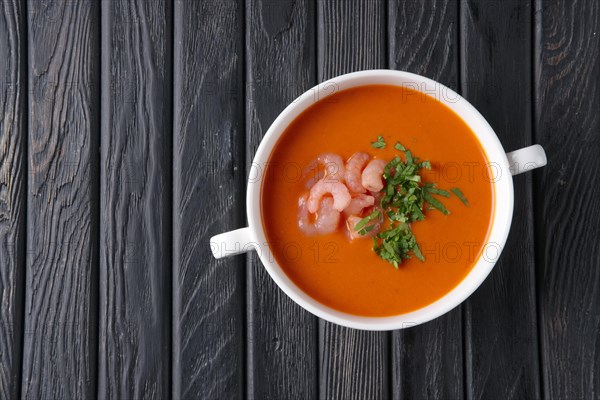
x: 13, y: 178
x: 208, y: 185
x: 60, y: 343
x: 135, y: 201
x: 500, y: 317
x: 567, y: 94
x: 423, y: 38
x: 427, y: 360
x: 352, y: 36
x: 282, y: 337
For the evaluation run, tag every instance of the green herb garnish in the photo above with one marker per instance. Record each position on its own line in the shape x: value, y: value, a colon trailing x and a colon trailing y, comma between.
x: 460, y: 195
x: 398, y: 146
x: 435, y: 203
x: 379, y: 144
x: 361, y: 226
x: 430, y: 187
x: 404, y: 198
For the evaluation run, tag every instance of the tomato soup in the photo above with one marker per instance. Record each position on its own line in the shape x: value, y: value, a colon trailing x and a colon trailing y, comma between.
x: 348, y: 275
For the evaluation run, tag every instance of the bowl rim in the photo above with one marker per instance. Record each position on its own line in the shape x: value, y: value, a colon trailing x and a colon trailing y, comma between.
x: 501, y: 214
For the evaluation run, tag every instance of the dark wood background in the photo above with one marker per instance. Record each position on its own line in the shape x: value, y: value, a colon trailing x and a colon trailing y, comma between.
x: 128, y: 128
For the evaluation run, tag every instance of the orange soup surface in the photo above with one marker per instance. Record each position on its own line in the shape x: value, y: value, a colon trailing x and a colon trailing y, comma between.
x: 348, y: 275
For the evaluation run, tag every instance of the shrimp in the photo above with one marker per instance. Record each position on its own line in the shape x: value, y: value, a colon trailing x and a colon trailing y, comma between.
x: 339, y: 191
x: 372, y: 175
x: 351, y: 222
x: 310, y: 182
x: 358, y: 203
x: 327, y: 219
x: 333, y: 169
x: 354, y: 167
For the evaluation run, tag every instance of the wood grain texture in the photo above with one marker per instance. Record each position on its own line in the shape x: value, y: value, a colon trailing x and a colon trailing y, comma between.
x: 352, y: 36
x: 567, y: 88
x: 13, y: 178
x: 354, y: 364
x: 208, y: 179
x: 502, y: 360
x: 60, y: 343
x: 427, y: 360
x: 282, y: 337
x: 135, y: 217
x: 423, y: 38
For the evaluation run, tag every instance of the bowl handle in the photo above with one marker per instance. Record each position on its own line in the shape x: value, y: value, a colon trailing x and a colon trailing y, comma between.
x: 232, y: 243
x: 526, y: 159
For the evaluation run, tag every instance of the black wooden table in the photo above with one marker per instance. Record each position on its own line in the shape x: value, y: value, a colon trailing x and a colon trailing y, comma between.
x: 127, y: 131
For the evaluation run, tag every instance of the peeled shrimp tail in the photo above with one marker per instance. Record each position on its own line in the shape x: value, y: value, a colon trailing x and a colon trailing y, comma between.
x: 358, y: 203
x: 339, y: 191
x: 354, y: 167
x: 327, y: 219
x: 372, y: 176
x: 334, y: 167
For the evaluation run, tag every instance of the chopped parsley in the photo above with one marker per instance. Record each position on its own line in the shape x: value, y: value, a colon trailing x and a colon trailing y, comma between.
x: 460, y: 195
x: 379, y: 144
x: 405, y: 197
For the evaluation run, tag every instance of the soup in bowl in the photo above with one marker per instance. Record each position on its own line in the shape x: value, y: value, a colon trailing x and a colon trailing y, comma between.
x: 379, y: 200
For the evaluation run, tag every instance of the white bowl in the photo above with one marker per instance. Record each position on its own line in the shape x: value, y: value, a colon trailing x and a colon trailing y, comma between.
x: 502, y: 165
